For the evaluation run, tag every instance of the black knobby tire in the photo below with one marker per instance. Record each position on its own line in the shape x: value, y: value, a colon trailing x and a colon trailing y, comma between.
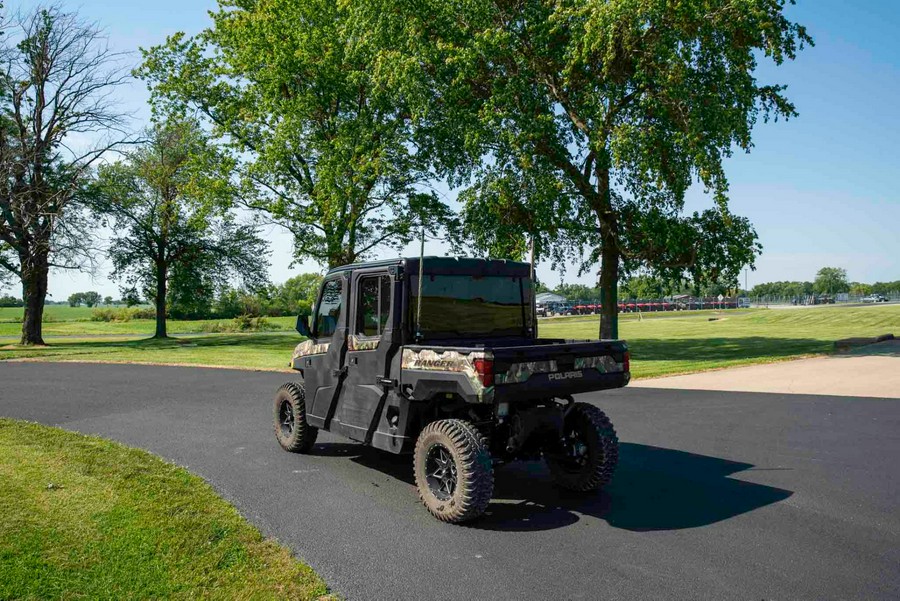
x: 591, y: 450
x: 465, y: 453
x: 292, y: 431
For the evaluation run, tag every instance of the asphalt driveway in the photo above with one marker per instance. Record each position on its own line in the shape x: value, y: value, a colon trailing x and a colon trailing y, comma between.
x: 719, y: 495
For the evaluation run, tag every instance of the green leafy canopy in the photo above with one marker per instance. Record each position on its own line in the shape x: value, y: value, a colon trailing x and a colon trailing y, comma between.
x: 288, y: 88
x: 176, y: 241
x: 581, y: 122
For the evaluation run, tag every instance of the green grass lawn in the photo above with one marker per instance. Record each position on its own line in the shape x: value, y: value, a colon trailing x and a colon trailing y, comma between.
x: 86, y: 518
x: 76, y: 321
x: 694, y: 343
x: 51, y: 313
x: 661, y: 343
x: 270, y: 351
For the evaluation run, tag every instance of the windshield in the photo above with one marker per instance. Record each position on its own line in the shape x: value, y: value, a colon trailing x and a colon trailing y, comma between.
x: 466, y: 306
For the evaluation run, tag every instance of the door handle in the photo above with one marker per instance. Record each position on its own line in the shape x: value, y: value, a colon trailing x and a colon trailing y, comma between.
x: 337, y: 373
x: 386, y: 382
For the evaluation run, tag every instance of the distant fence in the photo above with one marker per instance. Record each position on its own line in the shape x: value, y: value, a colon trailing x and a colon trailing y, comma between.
x: 691, y: 303
x: 814, y: 299
x: 681, y: 303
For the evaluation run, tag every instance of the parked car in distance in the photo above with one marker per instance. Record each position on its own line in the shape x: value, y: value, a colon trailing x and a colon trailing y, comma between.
x: 875, y: 298
x: 563, y: 309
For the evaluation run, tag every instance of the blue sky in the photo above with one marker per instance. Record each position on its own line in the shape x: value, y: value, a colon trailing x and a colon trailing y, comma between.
x: 820, y: 189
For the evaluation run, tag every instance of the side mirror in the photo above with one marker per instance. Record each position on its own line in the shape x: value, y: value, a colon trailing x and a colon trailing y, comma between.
x: 303, y: 326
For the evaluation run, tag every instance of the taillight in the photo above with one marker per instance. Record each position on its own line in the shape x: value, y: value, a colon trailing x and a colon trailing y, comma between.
x: 626, y: 365
x: 485, y: 370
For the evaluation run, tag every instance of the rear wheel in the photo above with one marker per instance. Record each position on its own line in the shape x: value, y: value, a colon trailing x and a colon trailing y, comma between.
x: 590, y: 450
x: 292, y: 431
x: 453, y: 469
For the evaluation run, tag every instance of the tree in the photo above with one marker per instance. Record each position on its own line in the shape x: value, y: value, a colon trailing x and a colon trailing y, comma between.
x: 577, y: 292
x: 831, y: 280
x: 886, y: 287
x: 783, y: 289
x: 107, y: 300
x: 92, y: 298
x: 131, y: 297
x: 860, y: 289
x: 10, y: 301
x: 319, y: 146
x: 298, y: 294
x: 175, y: 239
x: 76, y: 299
x: 609, y: 111
x: 56, y: 77
x: 644, y: 286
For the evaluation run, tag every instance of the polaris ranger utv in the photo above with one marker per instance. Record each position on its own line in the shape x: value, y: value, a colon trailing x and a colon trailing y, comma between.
x: 439, y: 357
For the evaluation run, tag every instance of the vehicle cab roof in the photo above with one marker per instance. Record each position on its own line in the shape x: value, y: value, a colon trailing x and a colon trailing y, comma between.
x: 446, y: 265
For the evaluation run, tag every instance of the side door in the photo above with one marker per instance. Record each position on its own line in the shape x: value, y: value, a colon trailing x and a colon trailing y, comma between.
x: 323, y: 368
x: 370, y: 347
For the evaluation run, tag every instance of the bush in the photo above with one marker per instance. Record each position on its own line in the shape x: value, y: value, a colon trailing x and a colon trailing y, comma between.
x: 241, y: 323
x: 122, y: 315
x: 248, y: 323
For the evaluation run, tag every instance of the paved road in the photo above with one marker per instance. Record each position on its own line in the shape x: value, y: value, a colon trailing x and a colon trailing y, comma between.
x: 718, y: 495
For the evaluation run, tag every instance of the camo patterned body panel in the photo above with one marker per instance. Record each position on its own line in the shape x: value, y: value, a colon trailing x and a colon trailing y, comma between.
x: 520, y: 372
x: 452, y: 361
x: 357, y: 343
x: 309, y: 347
x: 604, y: 364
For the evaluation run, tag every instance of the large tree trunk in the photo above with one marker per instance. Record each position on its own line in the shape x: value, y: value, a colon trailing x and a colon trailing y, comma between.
x: 161, y: 274
x: 609, y: 255
x: 34, y: 292
x: 609, y: 280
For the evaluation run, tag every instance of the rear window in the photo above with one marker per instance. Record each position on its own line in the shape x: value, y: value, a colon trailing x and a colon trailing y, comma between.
x: 466, y: 306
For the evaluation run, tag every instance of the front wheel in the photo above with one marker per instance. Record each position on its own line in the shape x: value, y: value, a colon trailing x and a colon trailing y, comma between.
x: 453, y: 469
x: 292, y: 431
x: 590, y: 450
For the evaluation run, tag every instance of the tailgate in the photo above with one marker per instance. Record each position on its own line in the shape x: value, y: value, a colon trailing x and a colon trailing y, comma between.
x: 559, y: 368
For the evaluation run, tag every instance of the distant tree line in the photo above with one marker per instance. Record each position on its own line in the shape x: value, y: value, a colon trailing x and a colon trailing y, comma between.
x: 828, y: 281
x: 294, y: 296
x: 641, y: 287
x: 10, y: 301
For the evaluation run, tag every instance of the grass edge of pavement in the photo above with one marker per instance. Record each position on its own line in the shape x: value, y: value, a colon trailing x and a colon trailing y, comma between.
x: 89, y: 517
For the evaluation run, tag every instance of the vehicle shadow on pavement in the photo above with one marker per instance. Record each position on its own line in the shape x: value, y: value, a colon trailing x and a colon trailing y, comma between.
x: 654, y: 489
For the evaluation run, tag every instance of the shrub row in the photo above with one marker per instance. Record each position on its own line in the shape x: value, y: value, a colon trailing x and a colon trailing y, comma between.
x: 123, y: 314
x: 241, y: 323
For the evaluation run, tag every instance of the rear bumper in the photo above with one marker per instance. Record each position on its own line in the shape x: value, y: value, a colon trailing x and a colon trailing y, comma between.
x: 560, y: 384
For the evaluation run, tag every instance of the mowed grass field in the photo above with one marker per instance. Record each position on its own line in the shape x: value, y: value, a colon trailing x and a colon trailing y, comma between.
x: 86, y: 518
x: 661, y: 343
x: 695, y: 343
x: 76, y: 321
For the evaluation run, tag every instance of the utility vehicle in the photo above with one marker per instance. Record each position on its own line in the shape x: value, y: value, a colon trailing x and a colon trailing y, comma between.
x: 439, y: 357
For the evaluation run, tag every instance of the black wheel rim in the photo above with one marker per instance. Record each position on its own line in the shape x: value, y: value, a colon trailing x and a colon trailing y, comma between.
x: 575, y: 451
x: 440, y: 472
x: 286, y: 418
